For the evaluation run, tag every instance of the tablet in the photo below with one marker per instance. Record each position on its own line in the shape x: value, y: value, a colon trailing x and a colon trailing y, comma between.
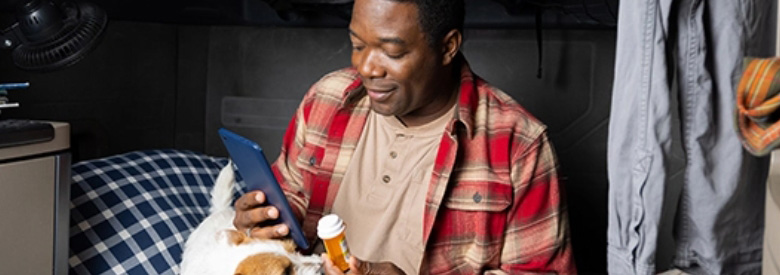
x: 253, y: 168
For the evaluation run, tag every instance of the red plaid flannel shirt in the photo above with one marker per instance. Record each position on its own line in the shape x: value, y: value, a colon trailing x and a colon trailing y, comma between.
x: 494, y: 201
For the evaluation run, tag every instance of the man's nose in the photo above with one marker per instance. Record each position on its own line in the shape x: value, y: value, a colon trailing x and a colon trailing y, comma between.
x: 371, y: 66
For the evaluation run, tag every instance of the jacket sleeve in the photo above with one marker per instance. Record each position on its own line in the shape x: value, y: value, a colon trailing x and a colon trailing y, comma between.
x: 537, y: 236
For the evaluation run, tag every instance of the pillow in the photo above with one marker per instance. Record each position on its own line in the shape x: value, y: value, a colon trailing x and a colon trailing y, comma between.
x: 131, y: 213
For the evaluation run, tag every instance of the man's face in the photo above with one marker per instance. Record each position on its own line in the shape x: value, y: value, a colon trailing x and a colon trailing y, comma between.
x: 399, y: 69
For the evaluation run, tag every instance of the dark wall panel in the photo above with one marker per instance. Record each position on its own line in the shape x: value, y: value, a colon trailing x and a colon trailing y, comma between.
x: 192, y: 67
x: 119, y: 98
x: 257, y: 77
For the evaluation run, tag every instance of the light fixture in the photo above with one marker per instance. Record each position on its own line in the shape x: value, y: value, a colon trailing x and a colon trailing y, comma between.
x: 49, y: 36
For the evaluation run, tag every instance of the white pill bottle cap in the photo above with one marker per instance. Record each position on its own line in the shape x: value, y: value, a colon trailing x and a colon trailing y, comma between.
x: 330, y: 226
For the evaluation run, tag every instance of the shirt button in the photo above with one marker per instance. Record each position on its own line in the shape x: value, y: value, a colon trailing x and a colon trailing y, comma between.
x: 477, y: 197
x: 312, y: 161
x: 393, y: 154
x: 386, y: 178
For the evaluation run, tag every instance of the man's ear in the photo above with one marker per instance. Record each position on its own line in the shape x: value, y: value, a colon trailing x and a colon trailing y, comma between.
x: 451, y: 45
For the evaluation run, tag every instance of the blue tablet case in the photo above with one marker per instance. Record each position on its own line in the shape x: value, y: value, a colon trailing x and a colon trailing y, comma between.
x: 256, y: 172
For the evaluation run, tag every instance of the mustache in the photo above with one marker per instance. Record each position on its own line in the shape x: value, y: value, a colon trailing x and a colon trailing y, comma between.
x: 379, y: 84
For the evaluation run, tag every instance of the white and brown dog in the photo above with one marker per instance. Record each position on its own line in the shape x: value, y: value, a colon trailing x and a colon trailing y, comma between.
x: 217, y: 248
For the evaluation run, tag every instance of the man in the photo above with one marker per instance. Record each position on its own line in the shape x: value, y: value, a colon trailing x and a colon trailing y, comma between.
x: 432, y: 169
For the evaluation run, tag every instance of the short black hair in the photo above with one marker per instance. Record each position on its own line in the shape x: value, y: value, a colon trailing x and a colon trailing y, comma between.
x: 438, y: 17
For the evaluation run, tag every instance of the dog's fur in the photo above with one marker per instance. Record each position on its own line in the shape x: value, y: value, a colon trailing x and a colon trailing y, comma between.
x: 217, y: 248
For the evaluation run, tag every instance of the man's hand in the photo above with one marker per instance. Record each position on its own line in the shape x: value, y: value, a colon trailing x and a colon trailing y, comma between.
x: 359, y: 267
x: 250, y: 213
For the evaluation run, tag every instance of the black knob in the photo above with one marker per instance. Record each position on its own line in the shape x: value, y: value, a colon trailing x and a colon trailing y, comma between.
x: 39, y: 20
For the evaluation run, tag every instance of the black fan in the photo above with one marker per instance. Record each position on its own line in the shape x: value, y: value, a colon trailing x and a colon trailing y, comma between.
x: 48, y: 36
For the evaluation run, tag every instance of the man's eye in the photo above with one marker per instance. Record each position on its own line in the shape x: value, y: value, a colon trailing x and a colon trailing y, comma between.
x: 395, y: 56
x: 357, y: 47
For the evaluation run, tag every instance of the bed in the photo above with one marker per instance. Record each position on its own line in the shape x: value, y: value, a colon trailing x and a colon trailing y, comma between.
x: 131, y: 213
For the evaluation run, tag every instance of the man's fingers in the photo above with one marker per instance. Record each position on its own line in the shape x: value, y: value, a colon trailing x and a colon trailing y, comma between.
x: 372, y: 268
x: 270, y: 232
x: 258, y: 215
x: 357, y: 266
x: 249, y: 212
x: 328, y: 266
x: 249, y: 200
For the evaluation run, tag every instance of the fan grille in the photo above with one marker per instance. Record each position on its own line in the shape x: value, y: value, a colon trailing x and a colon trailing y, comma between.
x: 83, y: 30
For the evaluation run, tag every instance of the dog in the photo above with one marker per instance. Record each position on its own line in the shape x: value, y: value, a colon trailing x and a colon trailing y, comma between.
x: 215, y: 247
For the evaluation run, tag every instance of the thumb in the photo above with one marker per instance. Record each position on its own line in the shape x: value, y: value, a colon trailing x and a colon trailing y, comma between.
x: 358, y: 266
x: 327, y: 265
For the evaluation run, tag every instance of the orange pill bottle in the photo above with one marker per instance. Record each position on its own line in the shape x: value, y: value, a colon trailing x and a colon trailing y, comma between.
x: 330, y: 229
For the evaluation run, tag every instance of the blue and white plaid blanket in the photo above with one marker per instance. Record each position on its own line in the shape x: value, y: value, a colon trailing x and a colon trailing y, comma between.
x: 131, y: 213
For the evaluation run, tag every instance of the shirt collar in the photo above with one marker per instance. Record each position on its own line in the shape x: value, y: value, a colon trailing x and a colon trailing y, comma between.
x: 468, y: 98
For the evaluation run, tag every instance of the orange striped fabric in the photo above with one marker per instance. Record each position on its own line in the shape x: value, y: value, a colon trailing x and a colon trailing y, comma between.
x: 758, y: 99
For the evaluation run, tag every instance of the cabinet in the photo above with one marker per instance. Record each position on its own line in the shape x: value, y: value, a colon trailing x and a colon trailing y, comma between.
x: 34, y: 205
